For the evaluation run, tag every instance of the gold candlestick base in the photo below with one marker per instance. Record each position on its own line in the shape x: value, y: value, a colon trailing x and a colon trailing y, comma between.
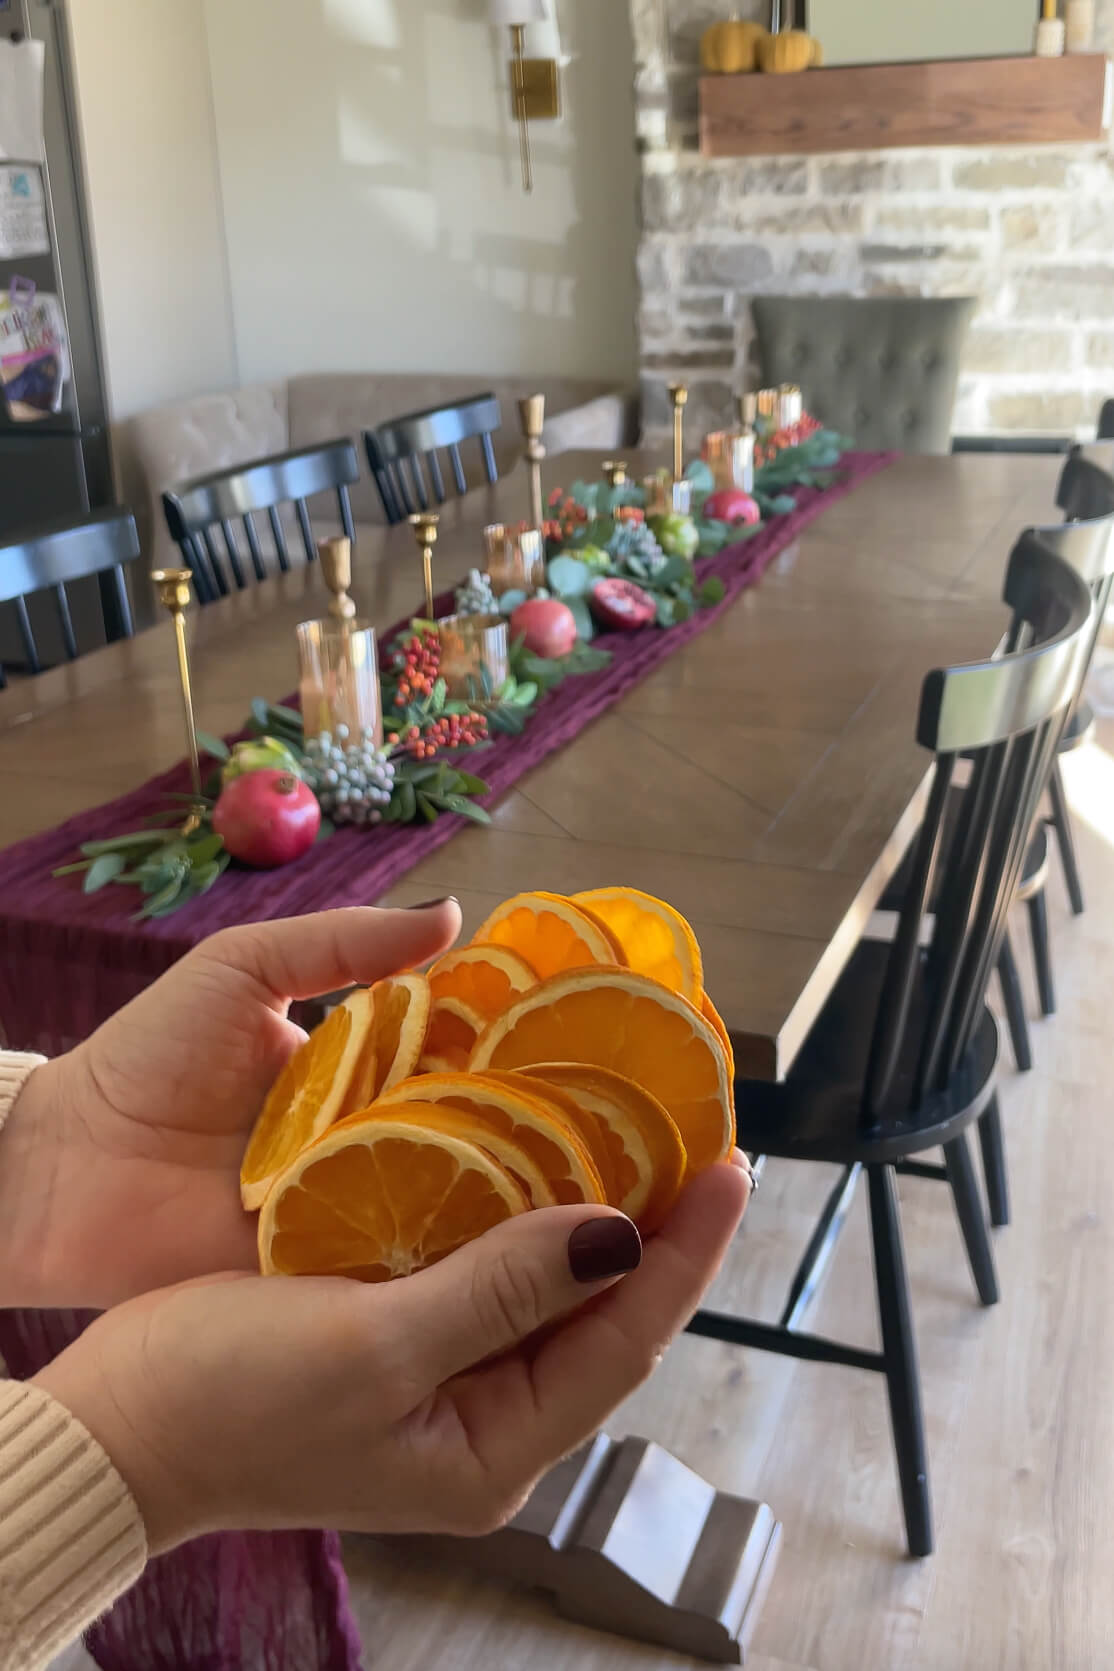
x: 173, y: 587
x: 531, y: 414
x: 426, y: 525
x: 336, y: 567
x: 616, y: 472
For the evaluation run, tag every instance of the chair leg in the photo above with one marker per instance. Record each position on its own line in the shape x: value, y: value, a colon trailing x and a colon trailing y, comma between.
x: 993, y: 1149
x: 972, y: 1219
x: 1065, y: 838
x: 1016, y: 1020
x: 1042, y: 955
x: 900, y: 1353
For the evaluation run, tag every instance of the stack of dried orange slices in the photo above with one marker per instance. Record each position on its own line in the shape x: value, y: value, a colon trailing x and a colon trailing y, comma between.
x: 568, y: 1054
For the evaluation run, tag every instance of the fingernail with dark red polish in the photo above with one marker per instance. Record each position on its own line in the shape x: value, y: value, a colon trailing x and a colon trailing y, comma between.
x: 604, y: 1247
x: 430, y: 904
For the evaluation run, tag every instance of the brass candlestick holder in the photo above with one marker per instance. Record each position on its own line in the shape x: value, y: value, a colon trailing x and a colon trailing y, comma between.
x: 336, y: 567
x: 425, y: 525
x: 174, y: 594
x: 679, y: 395
x: 531, y: 413
x: 616, y: 472
x: 747, y: 406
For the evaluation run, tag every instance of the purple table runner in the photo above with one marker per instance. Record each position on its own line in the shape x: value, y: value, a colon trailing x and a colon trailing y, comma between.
x: 266, y: 1602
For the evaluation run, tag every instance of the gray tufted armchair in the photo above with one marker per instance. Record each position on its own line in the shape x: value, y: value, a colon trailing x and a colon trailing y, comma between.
x: 882, y: 370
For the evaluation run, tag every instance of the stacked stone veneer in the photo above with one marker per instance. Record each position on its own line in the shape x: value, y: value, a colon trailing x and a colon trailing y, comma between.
x: 1030, y: 231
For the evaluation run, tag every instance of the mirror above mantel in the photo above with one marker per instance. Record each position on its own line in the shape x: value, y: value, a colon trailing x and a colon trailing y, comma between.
x: 903, y: 31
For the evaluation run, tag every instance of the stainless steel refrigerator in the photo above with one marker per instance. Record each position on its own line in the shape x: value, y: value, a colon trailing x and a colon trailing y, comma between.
x: 54, y: 446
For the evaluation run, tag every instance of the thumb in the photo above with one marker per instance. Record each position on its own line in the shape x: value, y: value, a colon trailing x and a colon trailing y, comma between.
x: 504, y: 1286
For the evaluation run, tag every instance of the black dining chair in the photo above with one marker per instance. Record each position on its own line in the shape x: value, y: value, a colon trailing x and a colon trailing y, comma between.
x: 401, y: 454
x: 196, y: 510
x: 1085, y: 494
x: 903, y: 1057
x: 50, y: 557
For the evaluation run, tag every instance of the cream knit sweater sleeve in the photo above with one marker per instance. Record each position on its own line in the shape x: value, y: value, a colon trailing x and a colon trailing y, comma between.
x: 71, y: 1538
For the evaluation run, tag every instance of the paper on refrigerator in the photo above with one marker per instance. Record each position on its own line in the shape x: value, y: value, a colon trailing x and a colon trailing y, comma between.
x: 21, y: 100
x: 23, y: 223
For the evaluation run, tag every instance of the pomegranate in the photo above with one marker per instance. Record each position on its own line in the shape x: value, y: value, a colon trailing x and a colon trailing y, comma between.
x: 731, y: 504
x: 267, y: 819
x: 621, y: 606
x: 546, y: 626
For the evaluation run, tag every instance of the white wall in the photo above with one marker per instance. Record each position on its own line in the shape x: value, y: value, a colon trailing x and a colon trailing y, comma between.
x: 374, y: 210
x: 885, y: 32
x: 142, y: 73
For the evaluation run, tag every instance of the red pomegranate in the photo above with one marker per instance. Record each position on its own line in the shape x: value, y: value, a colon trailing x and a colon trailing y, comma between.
x: 546, y: 626
x: 621, y: 606
x: 267, y: 819
x: 731, y: 504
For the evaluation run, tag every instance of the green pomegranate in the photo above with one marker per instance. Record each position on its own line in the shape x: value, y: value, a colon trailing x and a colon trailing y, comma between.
x: 261, y: 754
x: 677, y: 535
x: 593, y: 555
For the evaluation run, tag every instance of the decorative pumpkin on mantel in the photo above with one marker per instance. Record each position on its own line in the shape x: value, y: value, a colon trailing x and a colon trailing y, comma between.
x: 789, y: 52
x: 731, y: 47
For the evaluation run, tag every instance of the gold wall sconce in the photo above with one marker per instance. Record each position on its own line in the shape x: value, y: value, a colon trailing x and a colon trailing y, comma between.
x: 535, y: 67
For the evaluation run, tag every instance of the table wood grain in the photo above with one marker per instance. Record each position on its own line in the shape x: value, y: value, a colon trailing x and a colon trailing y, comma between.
x: 764, y: 779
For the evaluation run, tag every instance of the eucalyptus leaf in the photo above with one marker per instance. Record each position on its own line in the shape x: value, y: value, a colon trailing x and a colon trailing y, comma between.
x: 582, y: 615
x: 74, y: 869
x: 701, y: 476
x: 507, y: 721
x: 102, y: 871
x: 204, y: 877
x: 407, y: 801
x: 324, y: 830
x: 712, y: 592
x: 570, y: 578
x: 161, y: 901
x: 202, y: 852
x: 214, y: 746
x: 465, y: 808
x: 120, y: 843
x: 526, y: 694
x: 437, y: 696
x: 428, y: 808
x: 665, y: 612
x: 510, y: 601
x: 467, y: 783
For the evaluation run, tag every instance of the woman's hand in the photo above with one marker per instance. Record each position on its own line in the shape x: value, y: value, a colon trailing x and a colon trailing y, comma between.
x: 119, y: 1163
x: 432, y: 1403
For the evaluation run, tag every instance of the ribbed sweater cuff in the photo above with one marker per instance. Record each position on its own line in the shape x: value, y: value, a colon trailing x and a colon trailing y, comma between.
x: 71, y: 1537
x: 15, y: 1070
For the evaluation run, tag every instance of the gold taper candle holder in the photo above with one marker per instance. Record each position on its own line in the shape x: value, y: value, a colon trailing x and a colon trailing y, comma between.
x: 174, y: 595
x: 515, y: 558
x: 679, y: 395
x: 531, y: 413
x: 615, y: 470
x: 336, y: 567
x: 425, y: 525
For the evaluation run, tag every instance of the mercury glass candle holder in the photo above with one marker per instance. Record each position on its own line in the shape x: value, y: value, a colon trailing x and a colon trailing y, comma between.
x: 729, y: 453
x: 515, y: 558
x: 473, y: 646
x: 339, y: 678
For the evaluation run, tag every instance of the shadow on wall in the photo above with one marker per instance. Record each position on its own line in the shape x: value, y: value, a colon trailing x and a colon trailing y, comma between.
x: 373, y: 196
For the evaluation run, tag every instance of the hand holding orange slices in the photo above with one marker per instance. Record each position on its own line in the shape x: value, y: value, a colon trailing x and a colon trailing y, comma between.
x: 568, y: 1055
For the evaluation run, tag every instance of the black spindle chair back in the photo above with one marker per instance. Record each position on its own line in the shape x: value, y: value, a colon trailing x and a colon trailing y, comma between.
x: 1006, y: 717
x: 402, y: 454
x: 1086, y: 497
x: 198, y: 510
x: 50, y: 557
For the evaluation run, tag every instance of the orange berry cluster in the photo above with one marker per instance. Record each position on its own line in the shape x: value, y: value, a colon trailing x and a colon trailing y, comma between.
x: 450, y: 731
x: 420, y: 665
x: 794, y: 436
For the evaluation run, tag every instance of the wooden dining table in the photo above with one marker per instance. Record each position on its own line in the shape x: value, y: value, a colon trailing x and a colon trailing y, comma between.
x: 765, y: 778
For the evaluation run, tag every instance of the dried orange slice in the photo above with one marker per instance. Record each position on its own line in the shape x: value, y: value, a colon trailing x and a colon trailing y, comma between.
x: 568, y: 1110
x: 514, y: 1160
x: 645, y: 1151
x: 536, y: 1126
x: 655, y: 939
x: 715, y: 1020
x: 400, y: 1020
x: 307, y: 1096
x: 454, y: 1028
x: 551, y: 933
x: 613, y: 1018
x: 376, y: 1199
x: 483, y: 977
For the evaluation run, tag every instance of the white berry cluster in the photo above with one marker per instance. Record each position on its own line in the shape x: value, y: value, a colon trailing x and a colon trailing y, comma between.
x: 352, y: 779
x: 476, y: 597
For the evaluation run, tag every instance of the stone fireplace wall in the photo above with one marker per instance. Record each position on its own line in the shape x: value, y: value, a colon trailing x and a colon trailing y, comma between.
x: 1030, y: 231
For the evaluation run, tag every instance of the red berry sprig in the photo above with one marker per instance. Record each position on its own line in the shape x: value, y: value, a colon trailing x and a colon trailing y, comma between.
x: 419, y: 664
x: 450, y: 731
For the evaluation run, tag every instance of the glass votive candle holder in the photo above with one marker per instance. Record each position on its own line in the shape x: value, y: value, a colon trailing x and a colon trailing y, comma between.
x: 680, y: 497
x: 729, y: 453
x: 515, y: 558
x: 339, y: 678
x: 475, y: 655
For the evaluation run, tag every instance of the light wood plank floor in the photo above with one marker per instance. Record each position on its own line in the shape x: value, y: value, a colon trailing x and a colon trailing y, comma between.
x: 1019, y: 1400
